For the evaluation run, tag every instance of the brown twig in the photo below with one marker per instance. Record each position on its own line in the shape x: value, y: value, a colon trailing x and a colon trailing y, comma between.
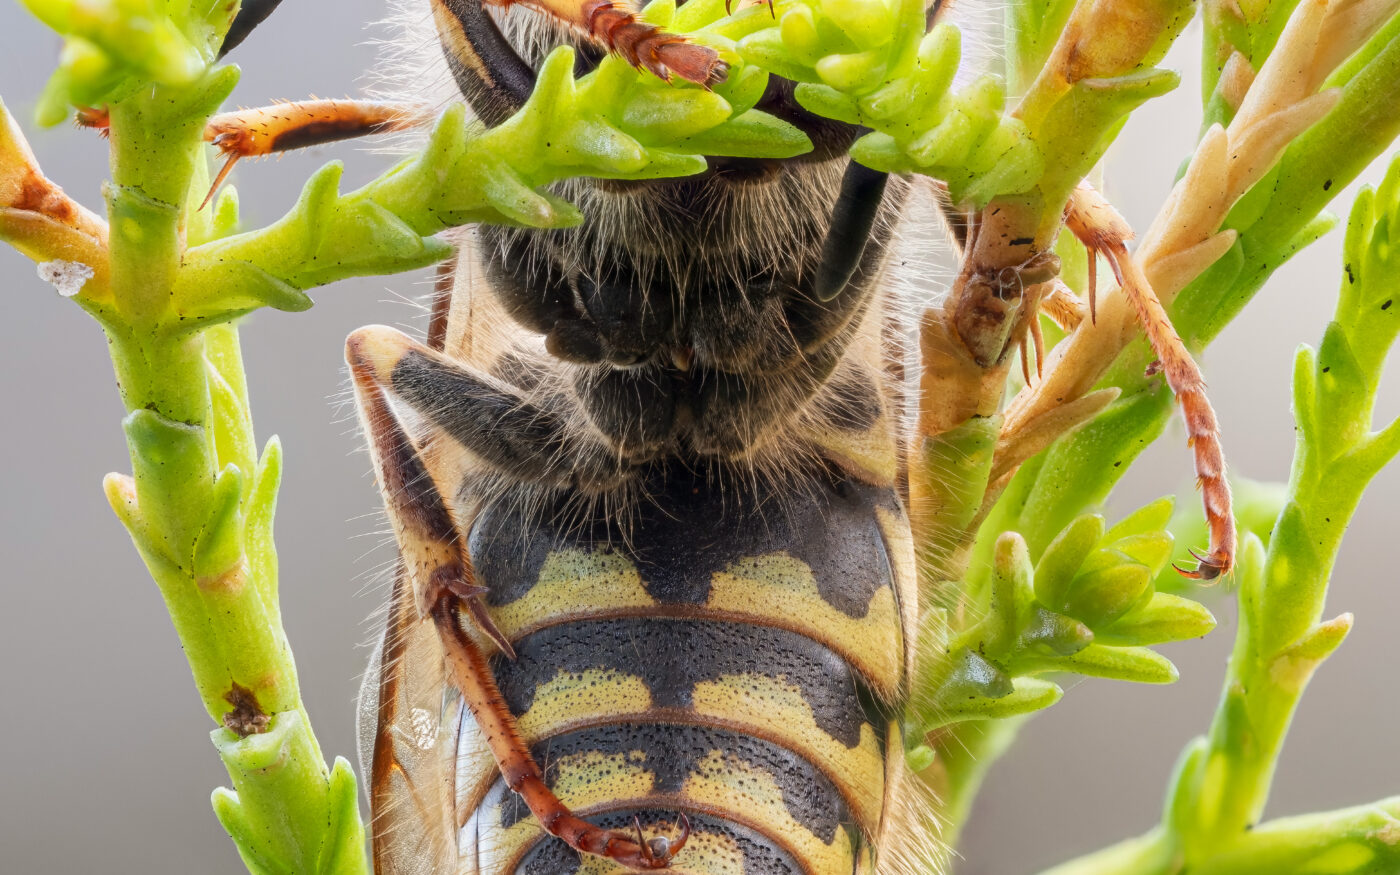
x: 40, y: 220
x: 1275, y: 106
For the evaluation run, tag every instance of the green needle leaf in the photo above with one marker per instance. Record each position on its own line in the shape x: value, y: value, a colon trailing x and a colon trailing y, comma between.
x: 1061, y: 560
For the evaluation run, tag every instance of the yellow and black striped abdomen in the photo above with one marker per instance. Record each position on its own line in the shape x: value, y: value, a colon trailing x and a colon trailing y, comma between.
x: 733, y: 654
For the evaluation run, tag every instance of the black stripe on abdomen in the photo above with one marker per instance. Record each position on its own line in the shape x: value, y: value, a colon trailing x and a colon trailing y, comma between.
x: 718, y: 657
x: 676, y: 754
x: 756, y: 728
x: 670, y: 657
x: 721, y: 843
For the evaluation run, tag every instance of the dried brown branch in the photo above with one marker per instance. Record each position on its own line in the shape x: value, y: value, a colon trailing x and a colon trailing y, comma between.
x: 1185, y: 238
x: 1097, y: 72
x: 1275, y: 106
x: 40, y: 220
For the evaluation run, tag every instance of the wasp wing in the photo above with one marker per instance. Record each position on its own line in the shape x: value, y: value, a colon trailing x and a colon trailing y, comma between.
x: 408, y: 727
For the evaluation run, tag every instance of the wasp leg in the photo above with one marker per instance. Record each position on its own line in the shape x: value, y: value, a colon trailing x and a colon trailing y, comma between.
x: 489, y: 417
x: 282, y: 127
x: 432, y: 558
x: 440, y: 569
x: 617, y: 27
x: 428, y: 537
x: 254, y: 133
x: 1099, y: 227
x: 442, y: 303
x: 472, y: 676
x: 94, y: 118
x: 996, y: 307
x: 251, y: 13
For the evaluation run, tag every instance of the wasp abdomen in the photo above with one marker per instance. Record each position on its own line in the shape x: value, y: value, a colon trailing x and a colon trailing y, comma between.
x: 728, y: 654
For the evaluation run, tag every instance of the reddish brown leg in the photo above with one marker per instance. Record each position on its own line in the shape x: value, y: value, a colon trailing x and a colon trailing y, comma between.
x: 437, y: 563
x: 254, y: 133
x: 429, y: 542
x: 442, y: 304
x: 95, y: 118
x: 472, y: 676
x: 1099, y: 227
x: 281, y: 127
x: 616, y: 27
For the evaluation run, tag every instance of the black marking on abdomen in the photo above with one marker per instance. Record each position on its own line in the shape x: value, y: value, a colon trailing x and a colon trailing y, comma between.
x: 672, y: 656
x: 690, y: 527
x: 762, y: 856
x: 672, y: 753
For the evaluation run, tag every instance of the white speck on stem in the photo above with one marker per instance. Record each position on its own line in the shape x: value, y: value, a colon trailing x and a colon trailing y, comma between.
x: 66, y: 276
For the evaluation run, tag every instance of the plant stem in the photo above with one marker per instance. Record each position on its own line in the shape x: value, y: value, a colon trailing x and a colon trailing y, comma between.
x: 199, y: 503
x: 966, y: 753
x: 1081, y: 468
x: 1219, y: 792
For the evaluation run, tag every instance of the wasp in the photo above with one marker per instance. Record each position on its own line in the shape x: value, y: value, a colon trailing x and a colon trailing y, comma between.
x: 645, y: 481
x: 657, y: 603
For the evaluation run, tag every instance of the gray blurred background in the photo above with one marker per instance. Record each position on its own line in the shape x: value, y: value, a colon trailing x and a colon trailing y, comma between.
x: 105, y: 762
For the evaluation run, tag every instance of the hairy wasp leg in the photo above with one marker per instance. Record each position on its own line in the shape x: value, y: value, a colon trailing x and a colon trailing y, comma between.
x: 443, y: 280
x: 94, y: 118
x: 981, y: 321
x: 489, y: 417
x: 431, y: 545
x: 615, y: 25
x: 1099, y: 227
x: 251, y: 13
x: 428, y: 537
x: 433, y: 565
x: 470, y: 673
x: 281, y: 127
x: 1032, y: 339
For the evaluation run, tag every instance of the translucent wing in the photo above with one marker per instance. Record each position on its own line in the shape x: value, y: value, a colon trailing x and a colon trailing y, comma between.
x: 408, y: 725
